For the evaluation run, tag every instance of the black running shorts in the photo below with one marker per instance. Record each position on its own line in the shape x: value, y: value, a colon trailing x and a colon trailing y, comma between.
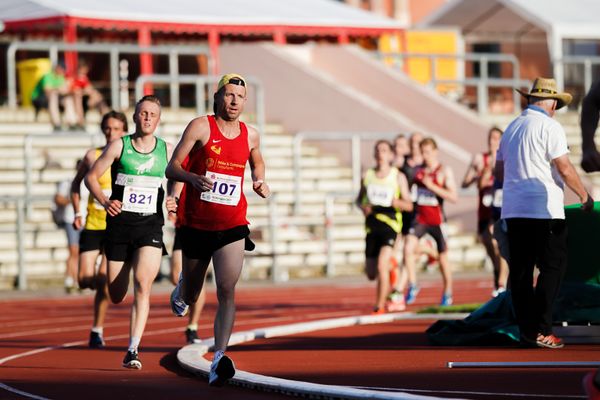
x: 177, y: 240
x: 435, y: 231
x: 91, y: 240
x: 379, y: 234
x: 200, y: 244
x: 123, y: 240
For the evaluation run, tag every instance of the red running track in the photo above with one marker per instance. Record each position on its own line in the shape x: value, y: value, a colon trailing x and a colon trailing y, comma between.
x: 47, y: 336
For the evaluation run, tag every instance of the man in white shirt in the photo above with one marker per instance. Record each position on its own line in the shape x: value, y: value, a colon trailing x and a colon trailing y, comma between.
x: 534, y: 164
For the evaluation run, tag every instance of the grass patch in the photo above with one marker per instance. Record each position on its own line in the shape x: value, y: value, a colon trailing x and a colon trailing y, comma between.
x: 458, y: 308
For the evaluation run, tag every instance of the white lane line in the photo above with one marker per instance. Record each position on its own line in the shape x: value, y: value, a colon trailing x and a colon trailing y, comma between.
x: 464, y: 392
x: 169, y: 319
x: 125, y: 336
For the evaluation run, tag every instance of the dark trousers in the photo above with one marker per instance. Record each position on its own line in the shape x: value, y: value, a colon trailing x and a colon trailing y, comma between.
x: 541, y: 243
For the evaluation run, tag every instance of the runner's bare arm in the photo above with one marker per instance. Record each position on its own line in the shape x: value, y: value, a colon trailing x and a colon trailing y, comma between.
x: 404, y: 203
x: 83, y: 169
x: 170, y: 200
x: 448, y: 190
x: 570, y: 177
x: 473, y: 171
x: 257, y: 164
x: 111, y: 153
x: 364, y: 207
x: 196, y: 133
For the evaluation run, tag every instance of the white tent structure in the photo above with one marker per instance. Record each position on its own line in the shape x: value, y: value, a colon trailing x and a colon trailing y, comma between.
x: 552, y: 21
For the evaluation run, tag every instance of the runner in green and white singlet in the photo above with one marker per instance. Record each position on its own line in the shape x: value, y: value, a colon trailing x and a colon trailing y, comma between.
x: 134, y: 214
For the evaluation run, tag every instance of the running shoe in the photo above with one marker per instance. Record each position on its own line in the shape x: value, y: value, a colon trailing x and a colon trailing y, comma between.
x: 96, y: 341
x: 549, y: 341
x: 131, y: 360
x: 191, y: 336
x: 178, y: 306
x: 395, y: 302
x: 411, y: 295
x: 221, y: 370
x: 378, y: 311
x: 446, y: 299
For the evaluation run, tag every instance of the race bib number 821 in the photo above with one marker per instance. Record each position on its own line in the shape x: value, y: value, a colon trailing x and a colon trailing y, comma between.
x: 139, y: 199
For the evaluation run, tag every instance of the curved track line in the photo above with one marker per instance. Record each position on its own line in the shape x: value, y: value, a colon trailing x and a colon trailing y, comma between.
x: 191, y: 358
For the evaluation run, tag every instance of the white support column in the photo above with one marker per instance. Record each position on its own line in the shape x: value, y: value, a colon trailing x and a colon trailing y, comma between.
x: 555, y: 48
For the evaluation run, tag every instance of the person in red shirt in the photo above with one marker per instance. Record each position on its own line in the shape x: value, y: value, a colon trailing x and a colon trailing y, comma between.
x: 435, y: 184
x: 480, y: 172
x: 83, y: 91
x: 215, y: 225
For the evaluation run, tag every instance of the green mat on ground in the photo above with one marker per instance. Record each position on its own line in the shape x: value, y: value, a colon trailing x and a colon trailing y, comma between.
x: 494, y: 324
x: 583, y: 244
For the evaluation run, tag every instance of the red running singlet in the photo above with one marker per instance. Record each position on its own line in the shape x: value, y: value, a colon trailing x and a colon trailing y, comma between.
x: 223, y: 160
x: 429, y: 207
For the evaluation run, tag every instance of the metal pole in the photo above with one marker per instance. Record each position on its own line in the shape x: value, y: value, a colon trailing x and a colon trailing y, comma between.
x: 114, y: 80
x: 260, y: 108
x: 53, y: 55
x: 174, y: 73
x: 587, y: 75
x: 356, y: 172
x: 329, y: 210
x: 276, y: 275
x: 297, y: 150
x: 27, y: 150
x: 482, y: 87
x: 11, y: 66
x: 22, y: 276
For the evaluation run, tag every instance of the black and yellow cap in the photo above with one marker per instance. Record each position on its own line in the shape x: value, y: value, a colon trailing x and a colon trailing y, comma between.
x: 234, y: 79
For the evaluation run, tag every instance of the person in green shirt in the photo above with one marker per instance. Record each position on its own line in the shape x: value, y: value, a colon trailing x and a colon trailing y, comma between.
x: 52, y: 90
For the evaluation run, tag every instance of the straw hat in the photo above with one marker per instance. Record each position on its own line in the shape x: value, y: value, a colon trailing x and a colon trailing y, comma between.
x: 545, y: 88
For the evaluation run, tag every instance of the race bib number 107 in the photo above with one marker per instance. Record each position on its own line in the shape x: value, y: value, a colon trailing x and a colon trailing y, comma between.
x: 226, y: 190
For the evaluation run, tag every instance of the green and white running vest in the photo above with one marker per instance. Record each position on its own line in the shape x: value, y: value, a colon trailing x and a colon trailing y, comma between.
x: 137, y: 183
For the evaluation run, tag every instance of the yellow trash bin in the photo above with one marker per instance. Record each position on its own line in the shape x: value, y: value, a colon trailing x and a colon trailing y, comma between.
x: 30, y: 72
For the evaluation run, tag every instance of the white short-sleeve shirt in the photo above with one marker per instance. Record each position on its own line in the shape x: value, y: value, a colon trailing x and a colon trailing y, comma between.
x: 532, y: 186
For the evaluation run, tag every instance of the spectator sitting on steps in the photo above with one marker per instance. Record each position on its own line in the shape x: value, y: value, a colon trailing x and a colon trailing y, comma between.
x: 85, y: 96
x: 52, y: 91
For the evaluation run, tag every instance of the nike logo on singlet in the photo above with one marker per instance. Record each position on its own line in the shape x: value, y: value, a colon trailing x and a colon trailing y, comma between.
x: 216, y: 141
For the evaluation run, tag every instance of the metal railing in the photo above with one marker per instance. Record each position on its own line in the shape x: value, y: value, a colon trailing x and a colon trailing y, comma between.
x: 202, y: 85
x: 278, y: 273
x: 355, y: 138
x: 483, y: 82
x: 588, y: 62
x: 21, y: 204
x: 28, y: 153
x: 330, y: 199
x: 113, y: 49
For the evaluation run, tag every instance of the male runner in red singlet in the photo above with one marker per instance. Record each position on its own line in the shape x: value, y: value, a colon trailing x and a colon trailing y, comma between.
x: 435, y: 183
x: 215, y: 225
x: 481, y: 172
